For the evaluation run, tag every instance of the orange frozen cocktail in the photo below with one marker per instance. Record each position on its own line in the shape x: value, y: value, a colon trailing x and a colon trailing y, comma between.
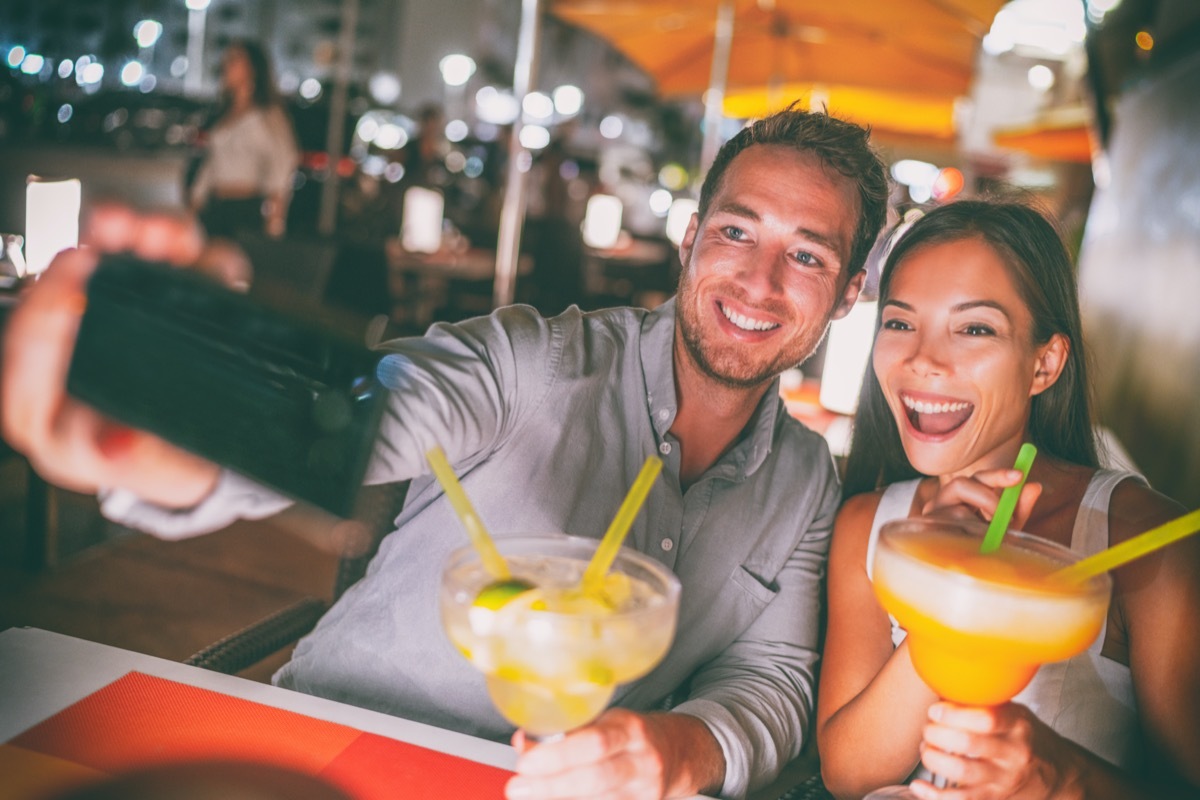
x: 979, y: 626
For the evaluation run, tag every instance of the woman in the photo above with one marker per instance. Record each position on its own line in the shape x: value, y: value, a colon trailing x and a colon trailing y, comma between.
x: 978, y: 349
x: 245, y: 182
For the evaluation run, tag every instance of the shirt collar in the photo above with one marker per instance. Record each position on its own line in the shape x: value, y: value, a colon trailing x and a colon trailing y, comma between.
x: 658, y: 358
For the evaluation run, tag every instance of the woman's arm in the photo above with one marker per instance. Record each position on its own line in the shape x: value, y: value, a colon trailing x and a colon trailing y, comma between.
x: 871, y: 705
x: 1158, y: 599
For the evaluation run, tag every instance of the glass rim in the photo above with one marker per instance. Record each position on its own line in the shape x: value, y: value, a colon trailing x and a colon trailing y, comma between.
x: 1096, y: 585
x: 672, y: 588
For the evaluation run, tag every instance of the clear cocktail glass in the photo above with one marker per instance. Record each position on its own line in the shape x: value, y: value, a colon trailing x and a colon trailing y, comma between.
x: 979, y: 626
x: 553, y: 656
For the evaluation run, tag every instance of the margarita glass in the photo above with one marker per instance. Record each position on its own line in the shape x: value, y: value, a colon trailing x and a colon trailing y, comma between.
x: 552, y: 655
x: 979, y: 626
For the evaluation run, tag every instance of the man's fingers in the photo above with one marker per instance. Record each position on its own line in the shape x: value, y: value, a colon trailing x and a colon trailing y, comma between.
x: 579, y: 748
x: 174, y: 238
x: 38, y: 346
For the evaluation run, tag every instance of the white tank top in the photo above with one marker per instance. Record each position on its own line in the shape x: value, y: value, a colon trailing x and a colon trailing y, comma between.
x: 1088, y: 699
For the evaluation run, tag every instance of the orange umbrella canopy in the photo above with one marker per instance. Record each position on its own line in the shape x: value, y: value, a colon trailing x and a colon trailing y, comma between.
x: 914, y: 47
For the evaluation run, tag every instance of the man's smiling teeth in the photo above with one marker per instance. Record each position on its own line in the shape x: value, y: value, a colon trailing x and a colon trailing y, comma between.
x: 746, y: 323
x: 922, y: 407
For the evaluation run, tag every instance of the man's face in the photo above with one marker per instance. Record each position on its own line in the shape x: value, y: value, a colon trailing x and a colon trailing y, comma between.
x: 764, y: 271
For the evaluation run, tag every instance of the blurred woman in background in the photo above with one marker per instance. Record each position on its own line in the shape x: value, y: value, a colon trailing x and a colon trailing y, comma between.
x: 245, y: 179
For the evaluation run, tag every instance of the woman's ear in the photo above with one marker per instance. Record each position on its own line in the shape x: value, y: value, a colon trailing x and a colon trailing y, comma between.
x: 1051, y: 360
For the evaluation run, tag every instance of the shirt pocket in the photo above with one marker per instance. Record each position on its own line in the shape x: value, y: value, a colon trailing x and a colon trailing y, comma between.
x: 759, y: 591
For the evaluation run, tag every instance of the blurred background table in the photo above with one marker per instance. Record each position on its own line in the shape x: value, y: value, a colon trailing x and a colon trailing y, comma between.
x: 422, y: 284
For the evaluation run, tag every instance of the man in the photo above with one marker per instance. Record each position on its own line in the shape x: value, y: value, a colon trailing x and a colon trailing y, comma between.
x: 547, y: 422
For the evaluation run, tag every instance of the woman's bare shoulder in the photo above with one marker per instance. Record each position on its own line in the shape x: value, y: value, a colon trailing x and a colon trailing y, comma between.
x: 1136, y: 508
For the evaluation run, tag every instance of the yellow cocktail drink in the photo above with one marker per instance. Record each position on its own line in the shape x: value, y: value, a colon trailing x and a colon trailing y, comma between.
x: 979, y: 626
x: 553, y: 656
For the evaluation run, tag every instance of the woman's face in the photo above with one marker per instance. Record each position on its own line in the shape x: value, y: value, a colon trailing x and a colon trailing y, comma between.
x: 236, y: 70
x: 956, y: 360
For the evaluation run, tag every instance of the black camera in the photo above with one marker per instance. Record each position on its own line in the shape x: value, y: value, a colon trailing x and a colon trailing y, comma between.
x: 277, y: 399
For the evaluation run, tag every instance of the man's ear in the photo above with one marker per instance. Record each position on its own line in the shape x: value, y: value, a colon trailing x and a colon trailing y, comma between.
x: 1051, y: 360
x: 849, y: 295
x: 689, y: 240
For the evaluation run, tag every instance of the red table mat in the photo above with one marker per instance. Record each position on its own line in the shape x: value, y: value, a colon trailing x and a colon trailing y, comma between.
x: 141, y: 721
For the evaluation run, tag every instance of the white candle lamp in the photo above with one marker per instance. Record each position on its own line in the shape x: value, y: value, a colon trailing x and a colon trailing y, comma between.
x: 422, y: 228
x: 602, y: 221
x: 847, y: 352
x: 51, y: 220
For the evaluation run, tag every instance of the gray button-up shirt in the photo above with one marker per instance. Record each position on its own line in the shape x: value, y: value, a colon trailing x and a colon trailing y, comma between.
x: 548, y: 422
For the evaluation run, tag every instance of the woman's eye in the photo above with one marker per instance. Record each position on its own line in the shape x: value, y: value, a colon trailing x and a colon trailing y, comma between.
x: 896, y: 325
x: 978, y: 330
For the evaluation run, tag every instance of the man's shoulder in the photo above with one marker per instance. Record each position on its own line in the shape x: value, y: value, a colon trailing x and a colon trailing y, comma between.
x: 793, y: 437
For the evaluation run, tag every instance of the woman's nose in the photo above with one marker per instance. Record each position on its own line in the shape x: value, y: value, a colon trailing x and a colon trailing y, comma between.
x: 928, y: 356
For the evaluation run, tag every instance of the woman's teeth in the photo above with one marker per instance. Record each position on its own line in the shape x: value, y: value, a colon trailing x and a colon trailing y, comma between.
x: 746, y: 323
x: 922, y: 407
x: 937, y: 419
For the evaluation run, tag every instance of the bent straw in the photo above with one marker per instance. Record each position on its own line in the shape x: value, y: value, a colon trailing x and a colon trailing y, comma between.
x: 490, y: 557
x: 606, y: 552
x: 1127, y: 551
x: 1008, y: 501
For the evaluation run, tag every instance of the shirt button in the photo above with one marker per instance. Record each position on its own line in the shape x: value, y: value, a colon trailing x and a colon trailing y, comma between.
x: 664, y: 414
x: 667, y: 545
x: 665, y: 448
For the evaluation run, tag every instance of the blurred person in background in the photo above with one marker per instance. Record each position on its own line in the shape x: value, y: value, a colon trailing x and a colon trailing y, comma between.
x: 245, y: 179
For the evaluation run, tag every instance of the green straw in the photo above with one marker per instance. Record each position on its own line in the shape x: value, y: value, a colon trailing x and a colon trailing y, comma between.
x: 1130, y: 549
x: 1008, y: 501
x: 606, y: 552
x: 489, y: 556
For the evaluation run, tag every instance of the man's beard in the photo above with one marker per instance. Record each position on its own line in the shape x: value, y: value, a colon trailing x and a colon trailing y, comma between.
x: 728, y: 369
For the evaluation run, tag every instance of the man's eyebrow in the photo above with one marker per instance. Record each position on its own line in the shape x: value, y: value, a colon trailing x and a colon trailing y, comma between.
x: 739, y: 210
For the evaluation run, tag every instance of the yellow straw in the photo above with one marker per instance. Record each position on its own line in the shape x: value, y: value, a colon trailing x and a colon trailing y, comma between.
x: 1133, y: 548
x: 593, y: 576
x: 492, y: 561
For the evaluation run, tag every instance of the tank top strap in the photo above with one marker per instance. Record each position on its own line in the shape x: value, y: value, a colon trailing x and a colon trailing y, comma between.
x: 1090, y: 534
x: 895, y: 503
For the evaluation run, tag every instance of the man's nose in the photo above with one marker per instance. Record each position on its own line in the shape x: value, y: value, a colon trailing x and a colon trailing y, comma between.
x: 764, y: 275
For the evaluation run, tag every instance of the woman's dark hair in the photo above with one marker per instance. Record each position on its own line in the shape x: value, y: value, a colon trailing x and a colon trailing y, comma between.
x: 840, y: 145
x: 265, y: 95
x: 1060, y: 420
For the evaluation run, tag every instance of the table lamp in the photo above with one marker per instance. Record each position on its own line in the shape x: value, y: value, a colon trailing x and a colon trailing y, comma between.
x: 679, y: 216
x: 602, y: 221
x: 422, y: 228
x: 847, y: 351
x: 51, y: 220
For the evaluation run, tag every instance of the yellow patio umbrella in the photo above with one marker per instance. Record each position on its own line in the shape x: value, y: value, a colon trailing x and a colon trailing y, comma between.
x: 1064, y: 135
x: 895, y: 64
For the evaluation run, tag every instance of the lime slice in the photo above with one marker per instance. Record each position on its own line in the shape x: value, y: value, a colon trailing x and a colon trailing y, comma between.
x: 497, y: 595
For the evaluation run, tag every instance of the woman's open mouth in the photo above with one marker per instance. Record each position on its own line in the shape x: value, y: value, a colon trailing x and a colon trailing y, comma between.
x: 936, y: 418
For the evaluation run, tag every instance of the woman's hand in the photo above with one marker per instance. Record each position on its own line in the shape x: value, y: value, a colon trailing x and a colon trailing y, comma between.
x: 976, y: 497
x: 997, y: 752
